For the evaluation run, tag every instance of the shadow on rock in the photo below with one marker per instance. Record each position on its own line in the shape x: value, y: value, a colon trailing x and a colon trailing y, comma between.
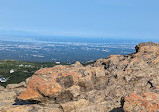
x: 120, y: 109
x: 21, y: 102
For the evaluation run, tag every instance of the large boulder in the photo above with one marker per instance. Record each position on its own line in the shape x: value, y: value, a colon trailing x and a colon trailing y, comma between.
x: 102, y: 84
x: 144, y: 102
x: 49, y: 81
x: 63, y: 83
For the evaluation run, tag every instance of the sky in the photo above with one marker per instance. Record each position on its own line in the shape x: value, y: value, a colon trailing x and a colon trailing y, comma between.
x: 137, y: 19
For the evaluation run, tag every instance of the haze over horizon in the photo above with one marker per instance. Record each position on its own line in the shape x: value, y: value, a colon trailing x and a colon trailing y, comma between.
x: 85, y: 18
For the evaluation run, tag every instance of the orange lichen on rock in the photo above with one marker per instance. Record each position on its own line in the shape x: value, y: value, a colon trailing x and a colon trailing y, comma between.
x: 102, y: 83
x: 48, y: 81
x: 146, y: 102
x: 30, y: 93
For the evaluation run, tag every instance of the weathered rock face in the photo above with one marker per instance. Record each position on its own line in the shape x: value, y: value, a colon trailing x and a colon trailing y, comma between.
x: 63, y: 83
x: 13, y: 86
x: 145, y: 102
x: 47, y: 82
x: 100, y: 87
x: 33, y: 108
x: 9, y: 94
x: 1, y: 88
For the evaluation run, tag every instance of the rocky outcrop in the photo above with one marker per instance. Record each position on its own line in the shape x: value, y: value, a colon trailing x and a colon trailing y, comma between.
x: 107, y: 85
x: 49, y: 82
x: 13, y: 86
x: 33, y: 108
x: 1, y: 88
x: 63, y: 83
x: 145, y: 102
x: 9, y: 94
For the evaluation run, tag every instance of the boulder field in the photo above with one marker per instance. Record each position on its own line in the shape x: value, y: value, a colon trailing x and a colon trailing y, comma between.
x: 118, y: 83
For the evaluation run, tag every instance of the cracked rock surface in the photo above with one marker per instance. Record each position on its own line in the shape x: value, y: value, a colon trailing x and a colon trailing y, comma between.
x: 108, y: 85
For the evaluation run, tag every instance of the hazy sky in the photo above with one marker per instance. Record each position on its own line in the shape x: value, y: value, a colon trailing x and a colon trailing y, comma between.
x: 81, y: 18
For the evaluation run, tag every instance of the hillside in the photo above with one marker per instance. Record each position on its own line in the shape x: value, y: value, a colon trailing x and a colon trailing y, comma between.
x: 21, y: 70
x: 118, y: 83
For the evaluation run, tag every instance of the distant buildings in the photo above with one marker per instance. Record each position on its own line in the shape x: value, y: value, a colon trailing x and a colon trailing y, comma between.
x: 57, y: 62
x: 21, y: 65
x: 2, y: 79
x: 27, y: 65
x: 11, y: 71
x: 25, y: 71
